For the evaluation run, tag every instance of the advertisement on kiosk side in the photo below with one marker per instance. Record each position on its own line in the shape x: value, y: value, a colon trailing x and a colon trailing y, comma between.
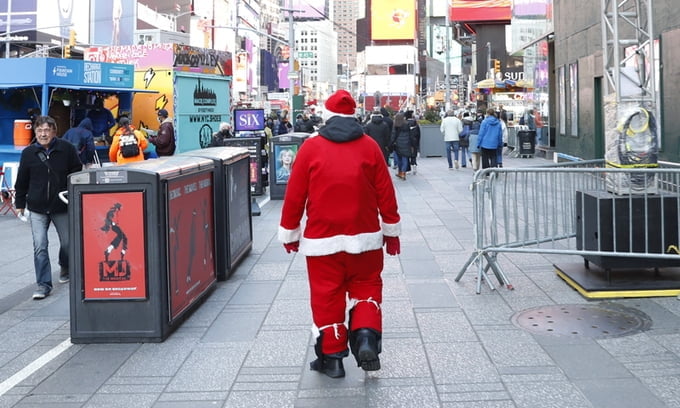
x: 191, y: 239
x: 114, y: 251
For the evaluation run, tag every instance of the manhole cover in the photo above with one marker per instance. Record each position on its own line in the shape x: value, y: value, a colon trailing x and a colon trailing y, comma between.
x: 594, y: 321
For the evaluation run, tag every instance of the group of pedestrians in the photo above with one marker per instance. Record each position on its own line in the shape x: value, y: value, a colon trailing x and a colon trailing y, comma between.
x: 398, y: 137
x: 44, y: 167
x: 131, y: 145
x: 481, y: 137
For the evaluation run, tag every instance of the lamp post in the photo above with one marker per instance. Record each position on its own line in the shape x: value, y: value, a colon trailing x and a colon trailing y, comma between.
x: 447, y: 64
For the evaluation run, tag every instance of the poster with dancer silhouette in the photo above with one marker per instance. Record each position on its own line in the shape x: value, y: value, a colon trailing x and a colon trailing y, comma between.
x: 191, y: 239
x: 114, y: 252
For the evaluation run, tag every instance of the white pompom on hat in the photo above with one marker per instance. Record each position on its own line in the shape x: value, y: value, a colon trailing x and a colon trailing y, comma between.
x: 340, y: 103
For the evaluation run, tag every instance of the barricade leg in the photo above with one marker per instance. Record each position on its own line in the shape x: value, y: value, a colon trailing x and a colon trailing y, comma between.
x: 478, y: 257
x: 500, y: 275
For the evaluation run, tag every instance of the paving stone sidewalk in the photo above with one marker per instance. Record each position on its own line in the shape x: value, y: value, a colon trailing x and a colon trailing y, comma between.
x: 249, y: 344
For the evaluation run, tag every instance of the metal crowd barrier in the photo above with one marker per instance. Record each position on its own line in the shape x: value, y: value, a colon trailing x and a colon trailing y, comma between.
x: 575, y: 208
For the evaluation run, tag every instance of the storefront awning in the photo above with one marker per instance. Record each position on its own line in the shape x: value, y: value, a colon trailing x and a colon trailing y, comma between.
x: 14, y: 86
x: 505, y: 84
x: 101, y: 88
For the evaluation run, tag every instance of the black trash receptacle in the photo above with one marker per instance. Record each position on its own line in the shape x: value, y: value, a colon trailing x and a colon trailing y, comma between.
x: 257, y: 169
x: 233, y: 223
x: 527, y: 142
x: 142, y: 248
x: 284, y: 148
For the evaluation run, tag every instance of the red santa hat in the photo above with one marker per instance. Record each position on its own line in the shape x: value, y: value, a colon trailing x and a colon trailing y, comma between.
x: 340, y: 103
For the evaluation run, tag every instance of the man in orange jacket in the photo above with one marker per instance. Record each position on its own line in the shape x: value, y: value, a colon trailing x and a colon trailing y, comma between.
x: 121, y: 150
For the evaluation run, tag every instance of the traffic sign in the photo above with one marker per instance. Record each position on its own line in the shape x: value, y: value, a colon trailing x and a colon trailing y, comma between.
x: 305, y: 54
x: 277, y: 96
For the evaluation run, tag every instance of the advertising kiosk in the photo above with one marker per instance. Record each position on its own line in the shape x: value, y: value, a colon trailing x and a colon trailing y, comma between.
x: 233, y: 222
x: 284, y: 148
x: 142, y: 249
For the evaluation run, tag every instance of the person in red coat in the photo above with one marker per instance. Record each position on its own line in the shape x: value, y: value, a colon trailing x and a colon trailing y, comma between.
x: 340, y: 180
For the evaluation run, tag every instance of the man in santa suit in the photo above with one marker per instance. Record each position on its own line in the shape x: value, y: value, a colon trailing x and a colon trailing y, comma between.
x: 340, y: 179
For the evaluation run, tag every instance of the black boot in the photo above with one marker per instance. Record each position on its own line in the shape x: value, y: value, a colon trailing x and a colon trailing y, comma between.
x: 366, y: 344
x: 329, y: 364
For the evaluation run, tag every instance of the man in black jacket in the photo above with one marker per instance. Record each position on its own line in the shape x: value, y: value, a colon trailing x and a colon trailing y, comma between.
x: 379, y: 131
x: 43, y: 170
x: 165, y: 139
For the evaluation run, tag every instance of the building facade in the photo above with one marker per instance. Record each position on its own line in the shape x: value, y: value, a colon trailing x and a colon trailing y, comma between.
x: 579, y: 78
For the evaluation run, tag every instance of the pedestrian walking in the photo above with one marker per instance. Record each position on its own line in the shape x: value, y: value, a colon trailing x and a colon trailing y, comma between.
x: 414, y: 128
x: 402, y: 144
x: 499, y: 152
x: 379, y: 131
x: 490, y: 139
x: 43, y: 170
x: 451, y: 127
x: 473, y: 124
x: 342, y: 184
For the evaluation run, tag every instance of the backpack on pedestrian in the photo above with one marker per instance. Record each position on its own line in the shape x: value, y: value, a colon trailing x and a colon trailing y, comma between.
x: 129, y: 144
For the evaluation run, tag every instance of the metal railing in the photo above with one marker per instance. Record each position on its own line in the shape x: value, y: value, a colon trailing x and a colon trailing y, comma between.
x: 576, y: 208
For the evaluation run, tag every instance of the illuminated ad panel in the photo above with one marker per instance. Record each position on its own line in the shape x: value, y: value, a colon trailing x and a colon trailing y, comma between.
x: 114, y: 22
x: 480, y: 10
x: 393, y: 19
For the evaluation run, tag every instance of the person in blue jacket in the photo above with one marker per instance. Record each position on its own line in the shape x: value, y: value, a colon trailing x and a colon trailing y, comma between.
x: 82, y: 139
x: 490, y: 138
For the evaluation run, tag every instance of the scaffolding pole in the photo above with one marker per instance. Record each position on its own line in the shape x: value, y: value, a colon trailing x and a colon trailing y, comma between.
x: 628, y: 52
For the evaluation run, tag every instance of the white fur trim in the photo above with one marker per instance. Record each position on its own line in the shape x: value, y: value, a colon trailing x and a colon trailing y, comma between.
x: 391, y: 230
x: 353, y: 244
x: 352, y: 302
x: 316, y: 331
x: 328, y: 114
x: 286, y: 236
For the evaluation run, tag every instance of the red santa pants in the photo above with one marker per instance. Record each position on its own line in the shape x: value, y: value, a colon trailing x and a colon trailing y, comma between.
x: 333, y: 278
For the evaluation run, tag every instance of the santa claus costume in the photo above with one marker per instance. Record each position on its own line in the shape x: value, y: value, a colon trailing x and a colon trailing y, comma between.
x: 340, y: 179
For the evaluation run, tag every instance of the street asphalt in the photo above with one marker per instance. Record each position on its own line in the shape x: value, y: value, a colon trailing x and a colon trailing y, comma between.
x: 249, y: 344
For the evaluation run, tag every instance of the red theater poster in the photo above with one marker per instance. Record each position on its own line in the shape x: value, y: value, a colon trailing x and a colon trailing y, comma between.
x: 114, y: 252
x: 191, y: 239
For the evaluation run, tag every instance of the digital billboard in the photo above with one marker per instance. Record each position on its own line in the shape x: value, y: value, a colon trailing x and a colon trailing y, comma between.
x: 115, y: 22
x: 480, y: 10
x: 393, y: 19
x: 248, y: 119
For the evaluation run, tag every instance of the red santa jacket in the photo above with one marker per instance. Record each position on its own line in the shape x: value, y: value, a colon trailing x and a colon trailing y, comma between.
x: 342, y: 182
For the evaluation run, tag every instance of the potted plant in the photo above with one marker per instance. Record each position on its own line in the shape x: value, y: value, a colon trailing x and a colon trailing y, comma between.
x: 431, y: 139
x: 62, y: 95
